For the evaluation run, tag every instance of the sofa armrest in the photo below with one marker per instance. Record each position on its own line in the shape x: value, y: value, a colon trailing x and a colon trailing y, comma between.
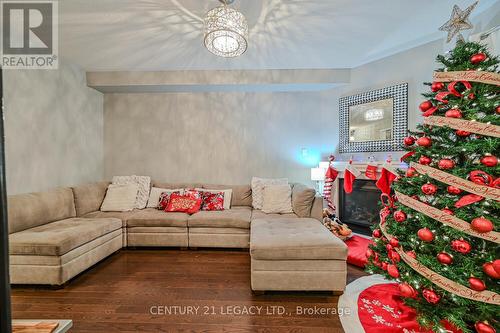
x: 317, y: 208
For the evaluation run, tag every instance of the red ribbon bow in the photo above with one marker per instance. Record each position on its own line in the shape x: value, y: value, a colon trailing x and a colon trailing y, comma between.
x: 441, y: 97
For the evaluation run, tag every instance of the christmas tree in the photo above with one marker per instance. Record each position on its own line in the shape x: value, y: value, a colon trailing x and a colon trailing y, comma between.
x: 438, y: 235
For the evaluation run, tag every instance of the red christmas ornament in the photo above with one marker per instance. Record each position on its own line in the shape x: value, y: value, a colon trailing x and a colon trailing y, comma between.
x: 388, y: 247
x: 407, y: 291
x: 411, y: 254
x: 446, y: 164
x: 424, y: 106
x: 429, y: 189
x: 496, y: 266
x: 394, y: 242
x: 453, y: 113
x: 476, y: 284
x: 471, y: 96
x: 453, y: 190
x: 444, y: 258
x: 424, y: 160
x: 477, y: 58
x: 436, y: 86
x: 489, y: 161
x: 461, y: 246
x: 484, y: 327
x: 425, y: 235
x: 424, y: 142
x: 369, y: 253
x: 411, y: 172
x: 393, y: 271
x: 409, y: 140
x: 498, y: 109
x: 489, y: 270
x: 462, y: 133
x: 481, y: 225
x: 384, y: 266
x: 376, y: 233
x: 430, y: 296
x: 399, y: 216
x: 447, y: 211
x: 395, y: 256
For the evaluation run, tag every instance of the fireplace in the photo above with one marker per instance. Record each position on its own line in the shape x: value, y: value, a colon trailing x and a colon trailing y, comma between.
x: 359, y: 209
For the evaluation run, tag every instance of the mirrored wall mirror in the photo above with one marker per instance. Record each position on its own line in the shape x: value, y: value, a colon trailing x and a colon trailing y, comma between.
x: 375, y: 120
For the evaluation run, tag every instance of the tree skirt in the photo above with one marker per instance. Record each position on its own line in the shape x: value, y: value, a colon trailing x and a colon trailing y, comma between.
x: 375, y: 306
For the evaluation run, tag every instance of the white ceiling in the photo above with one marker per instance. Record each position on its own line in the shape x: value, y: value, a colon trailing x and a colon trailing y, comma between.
x: 167, y: 34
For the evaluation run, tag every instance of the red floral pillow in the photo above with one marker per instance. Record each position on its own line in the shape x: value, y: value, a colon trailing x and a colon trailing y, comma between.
x: 164, y: 199
x: 183, y: 203
x: 212, y: 201
x: 193, y: 193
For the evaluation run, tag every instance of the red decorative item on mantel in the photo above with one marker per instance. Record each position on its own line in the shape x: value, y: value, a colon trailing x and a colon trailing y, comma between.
x: 387, y: 176
x: 350, y: 175
x: 371, y: 171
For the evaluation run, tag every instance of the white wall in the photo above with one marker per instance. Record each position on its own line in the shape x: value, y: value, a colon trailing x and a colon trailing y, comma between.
x: 53, y: 129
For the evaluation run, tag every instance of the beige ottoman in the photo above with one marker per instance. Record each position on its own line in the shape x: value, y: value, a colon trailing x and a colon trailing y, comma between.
x: 296, y: 254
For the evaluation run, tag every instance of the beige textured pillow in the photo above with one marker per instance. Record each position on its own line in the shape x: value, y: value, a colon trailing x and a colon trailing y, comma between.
x: 277, y: 199
x: 228, y: 193
x: 302, y: 200
x: 154, y: 195
x: 258, y: 187
x: 143, y: 182
x: 120, y: 198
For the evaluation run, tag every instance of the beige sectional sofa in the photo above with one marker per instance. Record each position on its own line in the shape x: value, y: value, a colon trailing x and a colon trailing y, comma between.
x: 58, y: 234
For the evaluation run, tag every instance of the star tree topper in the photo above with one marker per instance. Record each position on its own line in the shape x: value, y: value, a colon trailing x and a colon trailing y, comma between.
x: 459, y: 20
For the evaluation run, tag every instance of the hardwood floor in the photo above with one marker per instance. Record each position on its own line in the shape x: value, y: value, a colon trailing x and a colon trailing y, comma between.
x: 133, y: 290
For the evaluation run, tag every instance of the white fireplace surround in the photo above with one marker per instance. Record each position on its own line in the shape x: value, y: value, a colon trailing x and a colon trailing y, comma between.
x: 361, y: 166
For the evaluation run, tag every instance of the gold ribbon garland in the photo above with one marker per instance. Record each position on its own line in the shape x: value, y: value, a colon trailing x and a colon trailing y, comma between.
x: 449, y: 220
x: 449, y: 179
x: 464, y: 125
x: 485, y: 296
x: 474, y: 76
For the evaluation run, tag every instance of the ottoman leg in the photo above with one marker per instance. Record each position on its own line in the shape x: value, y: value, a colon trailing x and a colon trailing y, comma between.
x: 259, y: 292
x: 337, y: 292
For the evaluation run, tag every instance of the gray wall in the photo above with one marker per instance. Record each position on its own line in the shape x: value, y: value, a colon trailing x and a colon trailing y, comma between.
x: 53, y: 127
x: 217, y: 137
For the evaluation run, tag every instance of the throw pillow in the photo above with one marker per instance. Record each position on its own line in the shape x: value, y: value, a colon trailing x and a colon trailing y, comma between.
x: 193, y: 192
x: 302, y: 200
x: 120, y: 198
x: 277, y: 199
x: 144, y: 183
x: 154, y: 196
x: 212, y: 201
x: 165, y: 199
x: 183, y: 203
x: 258, y: 187
x: 227, y: 193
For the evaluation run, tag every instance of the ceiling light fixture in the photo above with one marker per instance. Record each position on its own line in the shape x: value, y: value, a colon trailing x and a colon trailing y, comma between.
x: 226, y: 31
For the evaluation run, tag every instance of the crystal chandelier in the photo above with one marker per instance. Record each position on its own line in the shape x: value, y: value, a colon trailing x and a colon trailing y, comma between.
x: 226, y: 31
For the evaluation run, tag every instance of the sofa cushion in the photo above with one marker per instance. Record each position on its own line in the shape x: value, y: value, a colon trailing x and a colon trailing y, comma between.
x: 258, y: 188
x: 89, y: 197
x: 151, y: 217
x: 302, y: 200
x: 277, y: 199
x: 123, y: 216
x: 294, y: 239
x: 60, y: 237
x: 258, y: 214
x: 34, y: 209
x: 241, y: 194
x: 120, y: 198
x: 236, y: 217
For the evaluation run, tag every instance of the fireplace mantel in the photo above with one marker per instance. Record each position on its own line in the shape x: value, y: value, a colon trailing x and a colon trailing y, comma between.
x: 361, y: 166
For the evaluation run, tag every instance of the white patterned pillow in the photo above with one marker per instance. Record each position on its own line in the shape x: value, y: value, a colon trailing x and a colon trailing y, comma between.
x: 277, y: 199
x: 258, y: 188
x: 227, y: 195
x: 120, y: 198
x: 143, y: 182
